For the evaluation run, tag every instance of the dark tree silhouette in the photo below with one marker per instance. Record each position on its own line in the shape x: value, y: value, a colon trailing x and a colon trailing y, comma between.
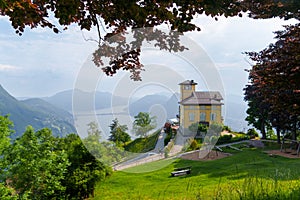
x: 274, y: 90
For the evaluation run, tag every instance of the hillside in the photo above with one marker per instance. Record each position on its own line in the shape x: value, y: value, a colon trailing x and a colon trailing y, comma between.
x: 144, y: 104
x: 35, y: 112
x: 103, y: 100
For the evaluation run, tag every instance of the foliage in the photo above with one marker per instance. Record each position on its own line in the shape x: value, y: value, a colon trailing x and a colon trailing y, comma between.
x: 257, y: 114
x: 202, y: 128
x: 84, y: 170
x: 143, y: 123
x: 168, y: 137
x: 273, y: 93
x: 168, y: 128
x: 142, y: 145
x: 7, y: 193
x: 194, y: 145
x: 106, y: 152
x: 194, y: 127
x: 252, y: 132
x: 5, y: 133
x: 224, y: 139
x: 117, y: 17
x: 118, y: 133
x: 198, y: 129
x: 36, y: 167
x: 233, y: 137
x: 270, y: 134
x: 226, y: 128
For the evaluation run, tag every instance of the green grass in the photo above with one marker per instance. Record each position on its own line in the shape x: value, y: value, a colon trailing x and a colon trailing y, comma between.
x: 250, y: 174
x: 150, y: 167
x: 142, y: 145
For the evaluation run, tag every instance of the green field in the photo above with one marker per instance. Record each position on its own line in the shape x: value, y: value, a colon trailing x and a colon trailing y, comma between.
x: 249, y: 174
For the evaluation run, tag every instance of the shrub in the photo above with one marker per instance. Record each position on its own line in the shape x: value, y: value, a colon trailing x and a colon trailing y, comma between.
x: 194, y: 145
x: 167, y: 138
x: 224, y: 139
x: 226, y: 128
x: 252, y: 133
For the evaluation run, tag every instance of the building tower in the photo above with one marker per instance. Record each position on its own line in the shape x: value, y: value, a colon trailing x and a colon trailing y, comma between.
x: 187, y: 88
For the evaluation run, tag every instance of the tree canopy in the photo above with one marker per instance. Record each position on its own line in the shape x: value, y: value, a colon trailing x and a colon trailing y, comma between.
x: 38, y: 165
x: 118, y: 16
x: 106, y: 152
x: 35, y: 168
x: 118, y: 133
x: 143, y: 123
x: 273, y: 92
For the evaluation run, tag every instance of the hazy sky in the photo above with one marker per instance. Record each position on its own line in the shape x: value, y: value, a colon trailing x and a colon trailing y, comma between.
x: 42, y: 63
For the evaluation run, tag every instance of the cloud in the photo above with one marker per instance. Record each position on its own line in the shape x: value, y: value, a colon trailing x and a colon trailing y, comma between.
x: 4, y: 67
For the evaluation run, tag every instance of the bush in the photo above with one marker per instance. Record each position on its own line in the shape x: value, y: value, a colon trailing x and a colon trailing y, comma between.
x: 226, y: 128
x: 252, y: 133
x: 194, y: 145
x: 224, y: 139
x: 167, y: 138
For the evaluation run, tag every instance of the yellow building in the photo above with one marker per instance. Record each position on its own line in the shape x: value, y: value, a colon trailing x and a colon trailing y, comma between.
x: 198, y: 106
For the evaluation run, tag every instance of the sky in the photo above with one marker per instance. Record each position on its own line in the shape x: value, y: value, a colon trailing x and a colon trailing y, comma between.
x: 41, y: 63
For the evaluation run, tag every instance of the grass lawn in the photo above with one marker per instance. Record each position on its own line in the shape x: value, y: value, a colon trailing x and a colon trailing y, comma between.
x: 142, y: 145
x: 249, y: 174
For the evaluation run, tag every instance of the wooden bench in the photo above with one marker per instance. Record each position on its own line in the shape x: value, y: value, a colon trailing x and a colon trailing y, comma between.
x: 181, y: 171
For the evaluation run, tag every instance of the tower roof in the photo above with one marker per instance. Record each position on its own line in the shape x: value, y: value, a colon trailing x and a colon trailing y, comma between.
x: 188, y: 82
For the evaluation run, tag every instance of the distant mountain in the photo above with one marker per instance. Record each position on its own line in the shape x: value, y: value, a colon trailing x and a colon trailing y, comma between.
x: 144, y: 104
x: 103, y: 100
x: 35, y: 112
x: 172, y: 106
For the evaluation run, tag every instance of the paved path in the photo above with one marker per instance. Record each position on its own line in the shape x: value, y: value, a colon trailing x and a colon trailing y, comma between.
x: 180, y: 142
x: 160, y: 142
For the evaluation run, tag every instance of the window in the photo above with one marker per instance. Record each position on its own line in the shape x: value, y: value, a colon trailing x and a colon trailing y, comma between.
x: 187, y: 87
x: 191, y: 117
x: 213, y: 116
x: 202, y: 117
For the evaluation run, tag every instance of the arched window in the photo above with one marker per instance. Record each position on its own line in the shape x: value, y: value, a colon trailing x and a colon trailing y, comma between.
x: 192, y: 117
x: 202, y: 117
x: 213, y: 116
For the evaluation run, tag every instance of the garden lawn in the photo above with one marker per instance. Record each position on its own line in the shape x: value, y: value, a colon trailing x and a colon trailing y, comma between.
x: 250, y: 174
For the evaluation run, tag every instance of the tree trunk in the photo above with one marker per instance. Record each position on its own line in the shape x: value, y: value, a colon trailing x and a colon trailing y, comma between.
x: 294, y: 131
x: 263, y: 131
x: 278, y: 135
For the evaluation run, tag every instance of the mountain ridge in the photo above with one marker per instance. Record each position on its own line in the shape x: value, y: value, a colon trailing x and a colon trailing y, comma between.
x: 35, y: 112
